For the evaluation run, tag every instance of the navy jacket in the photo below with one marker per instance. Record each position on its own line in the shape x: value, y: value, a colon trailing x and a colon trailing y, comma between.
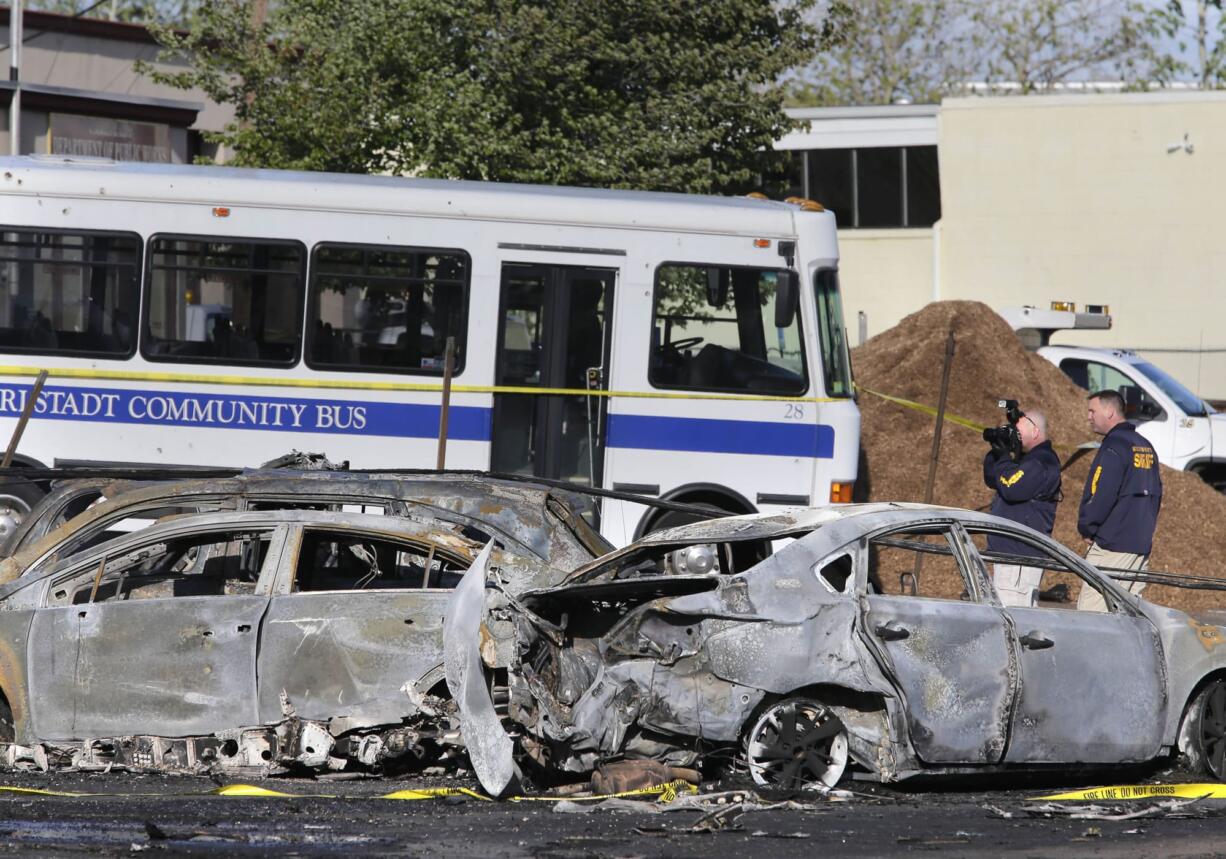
x: 1119, y: 507
x: 1026, y: 492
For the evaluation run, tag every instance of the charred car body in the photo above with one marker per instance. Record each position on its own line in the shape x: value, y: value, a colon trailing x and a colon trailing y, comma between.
x: 257, y: 641
x: 872, y: 639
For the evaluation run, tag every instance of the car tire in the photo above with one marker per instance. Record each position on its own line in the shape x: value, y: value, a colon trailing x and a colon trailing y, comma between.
x: 1205, y: 726
x: 796, y: 744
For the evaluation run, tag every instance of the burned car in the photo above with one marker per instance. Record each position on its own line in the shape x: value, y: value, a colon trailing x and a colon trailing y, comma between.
x: 254, y: 641
x: 539, y: 521
x: 871, y: 643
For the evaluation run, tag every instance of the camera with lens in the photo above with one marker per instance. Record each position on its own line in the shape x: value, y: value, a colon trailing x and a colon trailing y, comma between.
x: 1006, y: 437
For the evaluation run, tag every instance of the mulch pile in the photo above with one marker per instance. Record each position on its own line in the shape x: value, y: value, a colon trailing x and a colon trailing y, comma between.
x: 989, y: 365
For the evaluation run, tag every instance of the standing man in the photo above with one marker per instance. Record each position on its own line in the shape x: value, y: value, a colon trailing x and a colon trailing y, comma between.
x: 1027, y: 492
x: 1119, y: 507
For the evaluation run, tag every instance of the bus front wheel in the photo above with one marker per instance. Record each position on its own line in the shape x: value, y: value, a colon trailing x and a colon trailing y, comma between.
x: 17, y: 497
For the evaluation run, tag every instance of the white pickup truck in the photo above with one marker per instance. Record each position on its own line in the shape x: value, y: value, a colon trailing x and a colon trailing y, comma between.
x: 1186, y: 432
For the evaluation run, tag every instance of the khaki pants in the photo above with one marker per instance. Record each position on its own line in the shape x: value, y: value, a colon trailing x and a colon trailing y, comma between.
x: 1016, y: 585
x: 1092, y: 600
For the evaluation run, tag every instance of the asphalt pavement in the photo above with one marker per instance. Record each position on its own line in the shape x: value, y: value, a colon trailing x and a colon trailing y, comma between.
x: 173, y: 815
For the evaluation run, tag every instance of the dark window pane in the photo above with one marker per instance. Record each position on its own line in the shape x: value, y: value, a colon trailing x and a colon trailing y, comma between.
x: 830, y: 182
x: 794, y: 162
x: 714, y: 330
x: 386, y: 309
x: 836, y: 367
x: 879, y: 185
x: 68, y: 293
x: 923, y: 186
x: 221, y: 301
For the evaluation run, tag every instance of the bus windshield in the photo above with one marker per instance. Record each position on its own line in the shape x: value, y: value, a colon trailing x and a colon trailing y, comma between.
x: 836, y: 366
x: 1185, y: 399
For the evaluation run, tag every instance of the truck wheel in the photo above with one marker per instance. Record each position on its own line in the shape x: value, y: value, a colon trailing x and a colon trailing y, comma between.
x: 797, y: 743
x: 17, y: 496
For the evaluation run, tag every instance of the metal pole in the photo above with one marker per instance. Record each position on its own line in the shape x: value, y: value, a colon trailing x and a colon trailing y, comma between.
x: 15, y: 35
x: 24, y: 419
x: 444, y: 412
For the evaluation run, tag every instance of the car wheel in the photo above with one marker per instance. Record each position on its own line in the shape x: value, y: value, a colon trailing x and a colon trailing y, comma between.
x: 1208, y: 715
x: 797, y: 743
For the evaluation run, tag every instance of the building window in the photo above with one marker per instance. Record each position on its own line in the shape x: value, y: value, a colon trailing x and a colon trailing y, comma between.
x: 224, y: 301
x: 68, y: 293
x: 885, y: 186
x: 386, y: 309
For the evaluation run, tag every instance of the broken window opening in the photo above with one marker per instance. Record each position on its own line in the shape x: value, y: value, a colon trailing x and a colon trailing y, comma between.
x: 331, y: 561
x: 917, y: 562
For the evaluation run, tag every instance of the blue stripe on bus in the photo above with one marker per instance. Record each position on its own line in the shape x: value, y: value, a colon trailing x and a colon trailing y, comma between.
x: 397, y: 420
x: 279, y: 414
x: 703, y: 435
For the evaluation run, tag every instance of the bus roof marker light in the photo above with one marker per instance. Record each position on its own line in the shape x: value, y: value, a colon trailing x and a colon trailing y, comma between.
x: 757, y: 195
x: 1070, y: 306
x: 761, y: 243
x: 221, y: 211
x: 812, y: 206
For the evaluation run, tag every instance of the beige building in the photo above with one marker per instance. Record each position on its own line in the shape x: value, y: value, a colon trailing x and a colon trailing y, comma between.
x: 1093, y: 198
x: 80, y: 94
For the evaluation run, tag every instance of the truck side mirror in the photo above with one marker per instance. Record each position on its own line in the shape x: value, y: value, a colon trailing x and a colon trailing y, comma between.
x: 787, y: 297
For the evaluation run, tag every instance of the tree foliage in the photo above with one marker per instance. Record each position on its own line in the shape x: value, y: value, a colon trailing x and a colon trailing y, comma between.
x: 653, y: 94
x: 1184, y: 41
x: 885, y: 51
x: 134, y: 11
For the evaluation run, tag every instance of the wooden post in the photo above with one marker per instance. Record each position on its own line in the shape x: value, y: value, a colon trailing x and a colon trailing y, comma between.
x: 936, y: 438
x: 24, y: 419
x: 444, y: 412
x: 936, y: 446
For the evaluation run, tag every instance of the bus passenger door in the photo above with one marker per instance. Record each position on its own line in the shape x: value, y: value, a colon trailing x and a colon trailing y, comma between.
x: 554, y: 333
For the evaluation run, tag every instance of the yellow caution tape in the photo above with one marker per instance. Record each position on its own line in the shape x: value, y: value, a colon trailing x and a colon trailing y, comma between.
x: 359, y: 385
x: 663, y: 792
x: 434, y: 793
x: 920, y: 407
x: 1142, y: 791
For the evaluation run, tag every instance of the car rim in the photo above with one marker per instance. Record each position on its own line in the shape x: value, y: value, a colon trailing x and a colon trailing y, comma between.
x: 1213, y: 730
x: 797, y: 744
x: 12, y: 511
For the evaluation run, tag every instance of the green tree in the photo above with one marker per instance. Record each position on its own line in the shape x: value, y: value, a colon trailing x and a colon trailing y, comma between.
x: 885, y: 51
x: 652, y: 94
x: 1184, y: 41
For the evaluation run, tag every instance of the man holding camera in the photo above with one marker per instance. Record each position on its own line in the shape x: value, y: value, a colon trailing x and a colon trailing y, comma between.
x: 1122, y: 496
x: 1025, y: 472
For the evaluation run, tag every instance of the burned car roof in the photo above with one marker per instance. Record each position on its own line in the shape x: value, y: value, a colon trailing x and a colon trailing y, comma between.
x: 539, y: 520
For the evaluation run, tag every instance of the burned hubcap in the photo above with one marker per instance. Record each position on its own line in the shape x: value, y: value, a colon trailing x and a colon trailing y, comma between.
x: 1212, y: 730
x: 797, y: 744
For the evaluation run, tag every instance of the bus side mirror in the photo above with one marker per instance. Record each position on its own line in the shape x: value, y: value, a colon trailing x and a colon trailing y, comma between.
x: 717, y: 286
x: 787, y: 297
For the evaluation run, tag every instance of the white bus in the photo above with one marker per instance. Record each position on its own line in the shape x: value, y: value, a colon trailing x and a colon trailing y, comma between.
x: 682, y: 347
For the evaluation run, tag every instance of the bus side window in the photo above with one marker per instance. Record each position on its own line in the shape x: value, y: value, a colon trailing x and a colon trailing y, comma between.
x: 68, y: 293
x: 224, y: 301
x: 386, y: 309
x: 714, y: 330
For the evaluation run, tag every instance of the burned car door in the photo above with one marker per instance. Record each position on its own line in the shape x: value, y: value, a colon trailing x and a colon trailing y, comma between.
x: 153, y: 634
x: 949, y: 656
x: 359, y: 615
x: 1093, y: 684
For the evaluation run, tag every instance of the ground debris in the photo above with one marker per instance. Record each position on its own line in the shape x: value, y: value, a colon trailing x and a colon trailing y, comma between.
x: 1171, y: 808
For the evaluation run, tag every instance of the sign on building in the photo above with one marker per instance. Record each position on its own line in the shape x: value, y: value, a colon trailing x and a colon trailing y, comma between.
x: 100, y: 137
